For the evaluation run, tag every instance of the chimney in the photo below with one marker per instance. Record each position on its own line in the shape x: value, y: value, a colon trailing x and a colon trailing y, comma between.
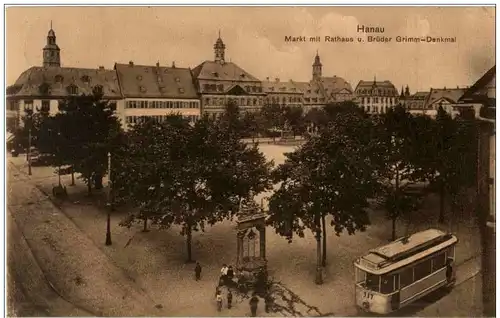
x: 173, y: 64
x: 101, y: 68
x: 267, y: 78
x: 158, y: 64
x: 277, y: 79
x: 130, y: 63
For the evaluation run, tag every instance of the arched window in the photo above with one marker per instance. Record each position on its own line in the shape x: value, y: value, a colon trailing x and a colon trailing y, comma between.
x: 98, y: 89
x: 85, y: 79
x: 59, y: 79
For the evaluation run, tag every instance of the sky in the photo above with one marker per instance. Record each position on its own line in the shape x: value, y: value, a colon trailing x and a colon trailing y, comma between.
x: 255, y: 40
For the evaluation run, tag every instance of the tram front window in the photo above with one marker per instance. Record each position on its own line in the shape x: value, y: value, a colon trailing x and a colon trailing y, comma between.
x: 372, y: 282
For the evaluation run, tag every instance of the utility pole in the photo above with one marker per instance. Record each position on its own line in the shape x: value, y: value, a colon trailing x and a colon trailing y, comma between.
x: 110, y: 203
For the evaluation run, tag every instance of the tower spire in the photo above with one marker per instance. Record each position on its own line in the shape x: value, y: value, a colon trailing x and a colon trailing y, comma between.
x: 51, y: 24
x: 219, y: 50
x: 51, y: 52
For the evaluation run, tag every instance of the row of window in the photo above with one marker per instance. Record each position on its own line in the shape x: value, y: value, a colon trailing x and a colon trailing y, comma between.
x: 387, y: 284
x: 380, y: 92
x: 161, y: 104
x: 375, y: 109
x: 45, y: 107
x: 384, y: 100
x: 157, y: 118
x: 220, y: 88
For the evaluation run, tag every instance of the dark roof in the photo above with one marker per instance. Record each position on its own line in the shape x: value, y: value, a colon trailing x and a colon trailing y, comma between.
x: 58, y: 79
x: 476, y: 91
x: 334, y: 84
x: 380, y: 88
x: 145, y: 81
x: 278, y: 86
x: 227, y: 71
x: 311, y: 90
x: 452, y: 95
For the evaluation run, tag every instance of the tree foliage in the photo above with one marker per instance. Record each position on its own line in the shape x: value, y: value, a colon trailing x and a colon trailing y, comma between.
x: 330, y: 175
x: 190, y: 176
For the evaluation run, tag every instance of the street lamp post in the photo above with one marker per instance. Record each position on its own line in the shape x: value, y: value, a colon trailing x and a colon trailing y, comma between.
x: 110, y: 203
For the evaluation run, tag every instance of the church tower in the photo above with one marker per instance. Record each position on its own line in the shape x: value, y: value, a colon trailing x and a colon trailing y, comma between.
x: 219, y: 50
x: 51, y: 52
x: 317, y: 67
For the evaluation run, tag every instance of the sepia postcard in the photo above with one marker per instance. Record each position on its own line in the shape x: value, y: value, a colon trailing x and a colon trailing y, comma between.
x: 250, y: 161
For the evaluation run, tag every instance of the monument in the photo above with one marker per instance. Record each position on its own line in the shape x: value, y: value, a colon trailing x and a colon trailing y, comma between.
x: 251, y: 240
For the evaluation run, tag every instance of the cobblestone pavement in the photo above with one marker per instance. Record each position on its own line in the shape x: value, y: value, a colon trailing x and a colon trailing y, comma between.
x: 155, y: 260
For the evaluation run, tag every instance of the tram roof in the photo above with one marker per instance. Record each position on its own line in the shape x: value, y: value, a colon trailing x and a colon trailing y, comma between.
x: 406, y: 249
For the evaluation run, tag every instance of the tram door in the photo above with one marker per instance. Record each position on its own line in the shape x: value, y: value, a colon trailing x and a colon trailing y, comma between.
x: 395, y: 299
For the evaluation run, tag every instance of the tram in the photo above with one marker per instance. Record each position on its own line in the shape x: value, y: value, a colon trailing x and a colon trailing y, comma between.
x: 401, y: 272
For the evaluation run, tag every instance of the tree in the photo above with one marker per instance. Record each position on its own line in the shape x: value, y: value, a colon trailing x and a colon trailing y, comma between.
x: 89, y: 123
x: 330, y: 175
x: 251, y: 124
x: 315, y: 118
x: 294, y: 116
x: 273, y: 119
x: 398, y: 172
x: 191, y: 175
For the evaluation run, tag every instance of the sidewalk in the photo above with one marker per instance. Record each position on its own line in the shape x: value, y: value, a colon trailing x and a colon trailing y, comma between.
x: 70, y: 261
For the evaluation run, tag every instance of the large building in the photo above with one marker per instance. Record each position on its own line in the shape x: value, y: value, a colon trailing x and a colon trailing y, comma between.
x: 41, y: 87
x: 321, y: 90
x: 219, y: 82
x: 156, y: 92
x: 446, y: 98
x: 376, y: 97
x: 282, y: 93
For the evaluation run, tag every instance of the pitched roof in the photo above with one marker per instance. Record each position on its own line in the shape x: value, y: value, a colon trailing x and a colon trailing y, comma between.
x: 145, y: 81
x: 58, y: 79
x: 277, y: 86
x: 311, y: 90
x: 228, y: 71
x: 452, y: 95
x: 420, y: 94
x: 381, y: 88
x: 476, y: 91
x: 334, y: 84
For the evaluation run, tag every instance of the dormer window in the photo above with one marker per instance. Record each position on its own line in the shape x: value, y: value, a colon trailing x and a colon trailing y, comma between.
x: 98, y: 89
x: 85, y: 79
x: 142, y: 89
x: 44, y: 89
x: 139, y: 77
x: 177, y: 79
x: 59, y: 79
x: 162, y: 89
x: 242, y: 75
x: 181, y: 90
x: 72, y: 90
x: 215, y: 74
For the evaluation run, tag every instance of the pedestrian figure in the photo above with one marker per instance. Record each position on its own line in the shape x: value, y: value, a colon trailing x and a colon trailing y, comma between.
x: 254, y: 301
x: 218, y: 298
x: 230, y: 273
x: 223, y: 272
x: 229, y: 299
x: 268, y: 302
x: 197, y: 271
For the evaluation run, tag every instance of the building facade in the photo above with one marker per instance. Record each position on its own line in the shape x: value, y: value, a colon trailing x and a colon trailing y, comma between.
x: 282, y: 93
x: 219, y: 82
x: 155, y: 92
x: 376, y: 97
x: 40, y: 88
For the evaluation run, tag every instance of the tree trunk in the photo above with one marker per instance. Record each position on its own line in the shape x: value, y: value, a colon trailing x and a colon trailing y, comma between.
x: 393, y: 229
x: 59, y: 175
x: 189, y: 239
x: 72, y: 177
x: 145, y: 229
x: 442, y: 197
x: 319, y: 268
x: 98, y: 181
x: 323, y: 225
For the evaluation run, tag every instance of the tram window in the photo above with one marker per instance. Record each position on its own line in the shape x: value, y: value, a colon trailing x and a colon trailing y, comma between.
x: 438, y: 262
x: 423, y: 269
x: 387, y: 284
x: 372, y: 282
x: 406, y: 277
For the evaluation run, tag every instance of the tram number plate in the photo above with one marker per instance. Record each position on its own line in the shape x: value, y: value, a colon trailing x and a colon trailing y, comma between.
x: 368, y: 295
